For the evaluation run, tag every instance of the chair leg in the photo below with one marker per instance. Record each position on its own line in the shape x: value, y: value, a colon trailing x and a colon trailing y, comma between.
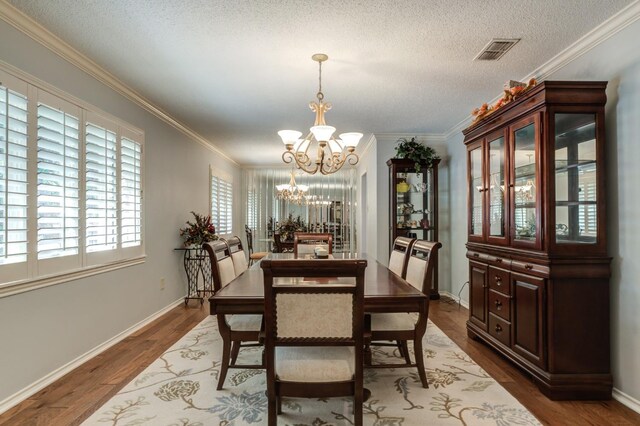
x: 235, y: 350
x: 272, y: 414
x: 405, y: 351
x: 417, y: 347
x: 357, y: 409
x: 279, y: 404
x: 226, y: 350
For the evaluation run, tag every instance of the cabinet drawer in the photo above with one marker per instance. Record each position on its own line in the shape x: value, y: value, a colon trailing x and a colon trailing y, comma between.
x: 530, y: 268
x: 500, y: 305
x: 500, y: 329
x: 498, y: 261
x: 499, y: 280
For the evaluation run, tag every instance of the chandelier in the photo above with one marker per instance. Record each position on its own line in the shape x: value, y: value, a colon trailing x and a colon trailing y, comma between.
x: 291, y: 192
x: 331, y: 153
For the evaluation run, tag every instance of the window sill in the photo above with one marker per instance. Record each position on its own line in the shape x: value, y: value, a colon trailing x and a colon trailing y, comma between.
x: 17, y: 287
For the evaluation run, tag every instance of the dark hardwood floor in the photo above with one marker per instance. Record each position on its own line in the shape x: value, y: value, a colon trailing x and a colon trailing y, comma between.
x: 77, y: 395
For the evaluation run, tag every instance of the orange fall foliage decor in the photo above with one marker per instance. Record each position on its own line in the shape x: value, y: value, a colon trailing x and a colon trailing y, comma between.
x: 510, y: 95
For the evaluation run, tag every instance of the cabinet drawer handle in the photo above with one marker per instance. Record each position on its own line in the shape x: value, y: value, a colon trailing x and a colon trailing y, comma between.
x: 498, y: 328
x: 498, y: 280
x: 528, y: 266
x: 498, y: 303
x: 476, y: 254
x: 498, y: 259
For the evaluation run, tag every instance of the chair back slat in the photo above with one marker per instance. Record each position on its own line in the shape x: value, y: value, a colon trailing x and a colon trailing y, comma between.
x: 422, y: 258
x: 222, y: 269
x: 400, y: 255
x: 249, y: 234
x: 306, y: 242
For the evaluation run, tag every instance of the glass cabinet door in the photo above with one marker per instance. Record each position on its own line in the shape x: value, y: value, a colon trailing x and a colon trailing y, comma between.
x: 476, y: 190
x: 414, y: 210
x: 524, y: 183
x: 496, y: 189
x: 575, y: 178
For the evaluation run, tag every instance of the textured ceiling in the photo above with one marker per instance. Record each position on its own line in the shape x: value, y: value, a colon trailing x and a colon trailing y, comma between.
x: 238, y: 71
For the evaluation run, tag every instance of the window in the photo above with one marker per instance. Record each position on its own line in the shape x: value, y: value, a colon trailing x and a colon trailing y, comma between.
x: 102, y: 205
x: 131, y: 192
x: 221, y: 204
x: 13, y: 176
x: 58, y: 183
x: 82, y: 171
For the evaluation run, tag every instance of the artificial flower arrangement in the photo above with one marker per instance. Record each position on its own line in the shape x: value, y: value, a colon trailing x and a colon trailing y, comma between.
x: 289, y: 226
x: 512, y: 90
x: 198, y: 232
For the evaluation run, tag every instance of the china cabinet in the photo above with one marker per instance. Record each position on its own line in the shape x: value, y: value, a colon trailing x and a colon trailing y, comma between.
x: 538, y: 266
x: 414, y: 205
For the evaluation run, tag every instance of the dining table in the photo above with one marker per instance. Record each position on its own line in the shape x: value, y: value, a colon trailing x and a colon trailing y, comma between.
x: 384, y: 290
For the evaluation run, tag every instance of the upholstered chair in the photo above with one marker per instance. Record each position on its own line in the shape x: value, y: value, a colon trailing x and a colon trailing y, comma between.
x: 305, y: 243
x: 401, y: 327
x: 235, y: 330
x: 400, y: 255
x: 253, y: 256
x: 314, y: 332
x: 237, y: 255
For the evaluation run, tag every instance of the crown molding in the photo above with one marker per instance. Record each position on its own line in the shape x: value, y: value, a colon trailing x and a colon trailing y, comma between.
x: 40, y: 34
x: 425, y: 137
x: 625, y: 17
x: 367, y: 145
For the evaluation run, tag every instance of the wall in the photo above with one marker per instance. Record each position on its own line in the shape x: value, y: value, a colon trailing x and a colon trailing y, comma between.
x: 44, y: 329
x: 367, y: 165
x: 616, y: 60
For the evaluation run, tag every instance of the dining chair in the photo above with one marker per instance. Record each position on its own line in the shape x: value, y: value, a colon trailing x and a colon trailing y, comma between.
x: 306, y: 242
x: 400, y: 255
x: 314, y: 333
x: 235, y: 330
x: 253, y: 257
x: 402, y: 327
x: 237, y: 254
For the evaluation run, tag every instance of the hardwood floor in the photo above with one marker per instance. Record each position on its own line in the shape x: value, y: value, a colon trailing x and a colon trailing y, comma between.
x: 77, y: 395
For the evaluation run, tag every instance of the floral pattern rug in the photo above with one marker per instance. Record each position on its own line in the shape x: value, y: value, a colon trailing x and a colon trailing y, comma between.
x: 179, y: 389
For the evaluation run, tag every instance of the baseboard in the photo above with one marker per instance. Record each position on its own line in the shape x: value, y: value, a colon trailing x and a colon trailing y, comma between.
x: 39, y: 384
x: 626, y: 400
x: 462, y: 302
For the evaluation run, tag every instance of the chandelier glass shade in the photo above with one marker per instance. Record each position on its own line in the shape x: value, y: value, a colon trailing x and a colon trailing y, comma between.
x: 292, y: 192
x: 319, y: 150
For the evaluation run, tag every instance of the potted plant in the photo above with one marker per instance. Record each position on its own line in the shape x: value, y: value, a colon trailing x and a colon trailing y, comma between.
x: 414, y: 150
x: 198, y: 232
x: 289, y: 226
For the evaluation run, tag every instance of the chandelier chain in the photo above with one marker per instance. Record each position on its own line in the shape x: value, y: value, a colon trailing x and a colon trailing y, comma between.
x: 320, y: 95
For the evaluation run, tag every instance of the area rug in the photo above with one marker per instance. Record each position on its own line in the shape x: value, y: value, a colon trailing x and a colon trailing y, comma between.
x: 179, y: 389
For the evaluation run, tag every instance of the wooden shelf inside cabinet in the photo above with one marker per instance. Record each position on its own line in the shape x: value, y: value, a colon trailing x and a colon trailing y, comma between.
x: 417, y: 193
x: 548, y: 230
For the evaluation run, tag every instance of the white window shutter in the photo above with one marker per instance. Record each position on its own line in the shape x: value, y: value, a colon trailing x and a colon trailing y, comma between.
x: 130, y: 192
x: 101, y: 189
x: 58, y: 183
x: 13, y: 176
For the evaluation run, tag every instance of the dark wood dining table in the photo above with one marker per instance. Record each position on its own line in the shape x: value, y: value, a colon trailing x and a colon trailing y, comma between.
x: 384, y: 291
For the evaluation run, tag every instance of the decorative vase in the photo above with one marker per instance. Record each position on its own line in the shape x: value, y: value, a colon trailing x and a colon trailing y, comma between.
x: 403, y: 186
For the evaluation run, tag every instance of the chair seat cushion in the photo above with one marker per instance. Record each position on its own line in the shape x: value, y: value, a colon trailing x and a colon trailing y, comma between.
x: 258, y: 255
x: 395, y: 321
x: 244, y: 322
x: 315, y: 364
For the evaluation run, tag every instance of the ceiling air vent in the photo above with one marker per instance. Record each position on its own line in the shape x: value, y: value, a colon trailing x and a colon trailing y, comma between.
x: 495, y: 49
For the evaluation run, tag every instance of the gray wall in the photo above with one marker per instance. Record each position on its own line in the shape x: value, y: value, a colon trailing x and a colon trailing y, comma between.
x: 44, y: 329
x: 616, y: 60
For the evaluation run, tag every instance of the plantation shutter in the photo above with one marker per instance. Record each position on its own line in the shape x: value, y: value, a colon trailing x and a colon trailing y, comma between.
x: 221, y: 205
x: 13, y: 176
x: 130, y: 192
x: 101, y: 189
x: 58, y: 183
